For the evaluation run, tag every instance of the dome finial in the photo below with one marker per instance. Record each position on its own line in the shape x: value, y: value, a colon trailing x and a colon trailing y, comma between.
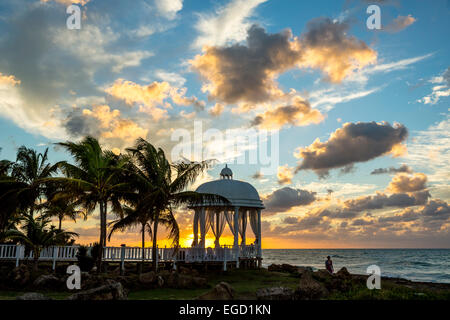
x: 226, y: 173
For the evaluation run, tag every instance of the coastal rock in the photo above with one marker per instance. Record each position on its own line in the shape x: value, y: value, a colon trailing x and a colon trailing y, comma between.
x: 283, y: 268
x: 310, y: 289
x: 322, y: 275
x: 47, y: 281
x: 160, y: 281
x: 110, y: 291
x: 276, y: 293
x: 148, y: 278
x: 222, y: 291
x: 33, y: 296
x: 20, y: 275
x: 343, y: 273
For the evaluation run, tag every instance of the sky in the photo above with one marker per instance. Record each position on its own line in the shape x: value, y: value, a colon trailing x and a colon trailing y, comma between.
x: 343, y: 129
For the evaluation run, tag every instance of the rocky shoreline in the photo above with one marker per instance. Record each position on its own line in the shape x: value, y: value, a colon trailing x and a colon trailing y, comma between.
x: 289, y: 283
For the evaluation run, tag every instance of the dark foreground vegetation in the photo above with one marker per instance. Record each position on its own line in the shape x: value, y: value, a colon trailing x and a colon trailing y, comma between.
x: 281, y: 282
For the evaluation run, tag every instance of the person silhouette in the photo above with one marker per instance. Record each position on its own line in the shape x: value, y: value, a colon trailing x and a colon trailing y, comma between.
x: 329, y: 265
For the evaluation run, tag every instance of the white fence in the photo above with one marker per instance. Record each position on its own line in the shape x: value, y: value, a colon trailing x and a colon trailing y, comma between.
x: 123, y: 253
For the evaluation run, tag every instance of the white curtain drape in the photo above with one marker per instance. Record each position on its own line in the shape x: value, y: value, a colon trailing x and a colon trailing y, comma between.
x: 253, y: 214
x: 217, y: 225
x: 229, y: 216
x: 242, y: 224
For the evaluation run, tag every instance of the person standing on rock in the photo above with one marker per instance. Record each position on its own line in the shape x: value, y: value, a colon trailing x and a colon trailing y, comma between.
x: 329, y: 265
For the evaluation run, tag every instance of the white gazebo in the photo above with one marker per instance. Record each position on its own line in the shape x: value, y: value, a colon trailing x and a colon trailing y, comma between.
x: 244, y: 206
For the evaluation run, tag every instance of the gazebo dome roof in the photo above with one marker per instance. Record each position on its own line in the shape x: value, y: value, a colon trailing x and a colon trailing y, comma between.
x: 239, y: 193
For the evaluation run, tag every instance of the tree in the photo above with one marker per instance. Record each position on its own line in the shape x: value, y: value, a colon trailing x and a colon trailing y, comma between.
x: 26, y: 183
x: 162, y: 187
x: 95, y: 180
x: 36, y: 235
x: 134, y: 217
x: 62, y: 206
x: 23, y: 185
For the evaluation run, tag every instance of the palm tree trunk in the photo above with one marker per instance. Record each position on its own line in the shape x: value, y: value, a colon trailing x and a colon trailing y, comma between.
x: 60, y: 222
x: 155, y: 233
x: 101, y: 240
x: 36, y: 254
x: 143, y: 248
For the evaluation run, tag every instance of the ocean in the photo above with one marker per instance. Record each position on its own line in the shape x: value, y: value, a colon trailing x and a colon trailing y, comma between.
x: 432, y: 265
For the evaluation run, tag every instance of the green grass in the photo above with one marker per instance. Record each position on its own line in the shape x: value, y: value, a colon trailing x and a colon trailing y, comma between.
x: 247, y: 282
x: 11, y: 295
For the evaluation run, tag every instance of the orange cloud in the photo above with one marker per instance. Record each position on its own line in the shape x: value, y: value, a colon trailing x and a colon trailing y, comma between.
x: 8, y: 80
x: 285, y: 174
x: 326, y: 46
x: 403, y: 182
x: 153, y: 94
x: 299, y: 113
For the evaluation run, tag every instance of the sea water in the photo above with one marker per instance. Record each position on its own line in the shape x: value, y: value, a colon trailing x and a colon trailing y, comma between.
x: 431, y: 265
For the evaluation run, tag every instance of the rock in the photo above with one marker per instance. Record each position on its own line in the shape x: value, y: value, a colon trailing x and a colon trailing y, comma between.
x: 110, y: 291
x: 199, y: 282
x: 160, y: 281
x: 343, y: 273
x: 322, y: 275
x: 33, y: 296
x: 20, y: 275
x: 47, y: 281
x: 276, y: 293
x: 148, y: 278
x: 283, y: 268
x: 309, y: 288
x: 287, y: 268
x: 222, y: 291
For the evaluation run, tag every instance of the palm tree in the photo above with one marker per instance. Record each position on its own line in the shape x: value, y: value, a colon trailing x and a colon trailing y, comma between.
x: 26, y: 181
x: 134, y: 217
x: 36, y: 235
x: 23, y: 183
x: 95, y: 180
x: 61, y: 206
x: 161, y: 187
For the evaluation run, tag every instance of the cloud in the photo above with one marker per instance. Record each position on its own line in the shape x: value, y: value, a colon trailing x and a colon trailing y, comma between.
x: 8, y: 80
x: 286, y: 198
x: 381, y: 200
x: 326, y: 46
x: 257, y: 175
x: 228, y: 23
x: 247, y: 72
x: 403, y: 182
x: 400, y: 23
x: 440, y: 90
x: 354, y: 142
x: 430, y: 150
x: 68, y: 2
x: 152, y: 95
x: 216, y: 110
x: 284, y: 175
x: 402, y: 168
x: 169, y: 8
x: 102, y: 122
x: 298, y: 113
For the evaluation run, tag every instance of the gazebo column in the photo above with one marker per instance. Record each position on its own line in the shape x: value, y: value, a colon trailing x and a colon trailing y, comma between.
x: 195, y: 227
x: 203, y: 227
x: 244, y: 228
x: 236, y: 235
x: 259, y: 248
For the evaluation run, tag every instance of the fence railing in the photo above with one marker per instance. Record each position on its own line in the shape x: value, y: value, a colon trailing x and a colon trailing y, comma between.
x: 123, y: 253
